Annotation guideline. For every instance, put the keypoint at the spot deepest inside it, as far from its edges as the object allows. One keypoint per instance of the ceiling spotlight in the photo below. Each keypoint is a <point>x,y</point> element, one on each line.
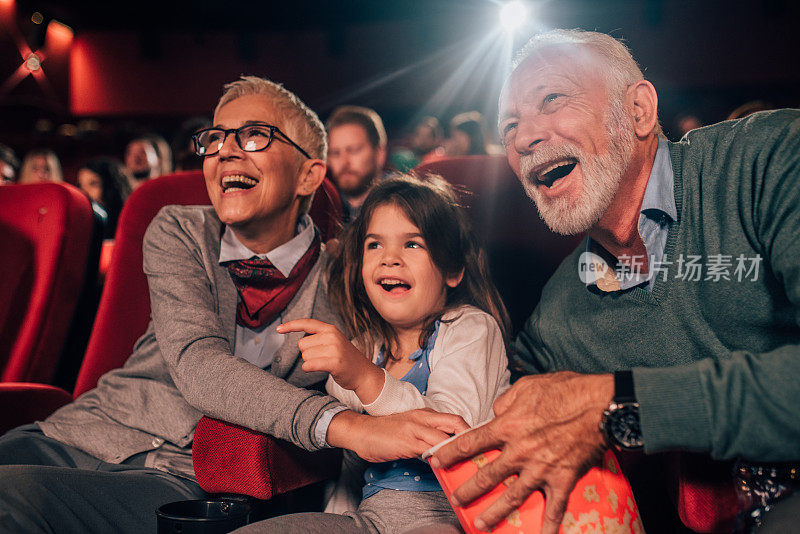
<point>37,18</point>
<point>513,15</point>
<point>33,62</point>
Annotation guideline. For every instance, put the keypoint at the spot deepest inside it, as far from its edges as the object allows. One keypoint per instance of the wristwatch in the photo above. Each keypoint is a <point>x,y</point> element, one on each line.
<point>620,422</point>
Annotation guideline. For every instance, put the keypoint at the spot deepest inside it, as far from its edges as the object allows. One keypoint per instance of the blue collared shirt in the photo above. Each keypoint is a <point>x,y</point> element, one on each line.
<point>657,213</point>
<point>258,346</point>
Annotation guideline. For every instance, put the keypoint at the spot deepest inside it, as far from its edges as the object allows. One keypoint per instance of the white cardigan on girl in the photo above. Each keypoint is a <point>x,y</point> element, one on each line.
<point>469,369</point>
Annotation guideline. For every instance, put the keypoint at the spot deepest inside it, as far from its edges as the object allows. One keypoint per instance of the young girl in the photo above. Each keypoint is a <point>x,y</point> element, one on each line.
<point>416,297</point>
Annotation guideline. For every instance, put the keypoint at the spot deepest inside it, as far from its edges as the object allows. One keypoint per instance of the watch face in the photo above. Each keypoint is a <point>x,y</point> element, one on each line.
<point>623,426</point>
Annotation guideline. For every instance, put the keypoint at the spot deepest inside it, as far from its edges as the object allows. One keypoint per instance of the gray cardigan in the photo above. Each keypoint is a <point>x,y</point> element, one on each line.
<point>183,366</point>
<point>716,360</point>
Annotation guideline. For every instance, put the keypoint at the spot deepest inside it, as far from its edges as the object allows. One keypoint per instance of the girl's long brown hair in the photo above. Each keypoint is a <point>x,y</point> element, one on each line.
<point>431,204</point>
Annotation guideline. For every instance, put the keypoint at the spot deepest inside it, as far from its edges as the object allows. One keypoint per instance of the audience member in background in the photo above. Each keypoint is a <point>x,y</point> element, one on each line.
<point>142,161</point>
<point>183,149</point>
<point>40,165</point>
<point>163,151</point>
<point>686,123</point>
<point>401,160</point>
<point>356,154</point>
<point>106,182</point>
<point>9,165</point>
<point>748,108</point>
<point>466,135</point>
<point>426,140</point>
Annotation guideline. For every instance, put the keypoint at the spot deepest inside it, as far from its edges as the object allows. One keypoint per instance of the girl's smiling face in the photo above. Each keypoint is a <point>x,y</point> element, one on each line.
<point>400,278</point>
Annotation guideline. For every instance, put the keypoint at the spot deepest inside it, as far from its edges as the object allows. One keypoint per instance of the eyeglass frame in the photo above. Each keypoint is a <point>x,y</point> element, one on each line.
<point>235,131</point>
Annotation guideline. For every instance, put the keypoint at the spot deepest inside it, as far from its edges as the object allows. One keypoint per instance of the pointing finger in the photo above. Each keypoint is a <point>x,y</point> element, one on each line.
<point>310,326</point>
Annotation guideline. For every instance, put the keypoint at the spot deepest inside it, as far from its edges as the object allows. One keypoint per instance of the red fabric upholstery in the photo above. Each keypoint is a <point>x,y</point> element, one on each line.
<point>239,460</point>
<point>704,493</point>
<point>45,234</point>
<point>24,402</point>
<point>523,252</point>
<point>124,309</point>
<point>106,253</point>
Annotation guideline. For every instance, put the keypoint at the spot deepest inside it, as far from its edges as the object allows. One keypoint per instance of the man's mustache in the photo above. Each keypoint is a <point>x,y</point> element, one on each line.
<point>547,154</point>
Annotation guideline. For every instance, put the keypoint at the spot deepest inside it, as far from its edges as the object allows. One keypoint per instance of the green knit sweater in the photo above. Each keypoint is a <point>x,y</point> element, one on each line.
<point>716,362</point>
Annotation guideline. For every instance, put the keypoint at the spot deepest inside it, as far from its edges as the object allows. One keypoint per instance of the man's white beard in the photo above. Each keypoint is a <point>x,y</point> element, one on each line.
<point>601,176</point>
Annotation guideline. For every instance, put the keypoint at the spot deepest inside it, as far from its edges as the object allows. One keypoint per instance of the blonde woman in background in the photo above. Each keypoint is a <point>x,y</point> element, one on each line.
<point>40,165</point>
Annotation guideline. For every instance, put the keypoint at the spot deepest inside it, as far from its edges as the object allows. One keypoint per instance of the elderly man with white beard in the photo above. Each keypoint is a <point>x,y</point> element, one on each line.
<point>675,325</point>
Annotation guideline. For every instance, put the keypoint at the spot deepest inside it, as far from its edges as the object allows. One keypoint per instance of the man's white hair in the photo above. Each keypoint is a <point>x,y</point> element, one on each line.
<point>302,124</point>
<point>620,69</point>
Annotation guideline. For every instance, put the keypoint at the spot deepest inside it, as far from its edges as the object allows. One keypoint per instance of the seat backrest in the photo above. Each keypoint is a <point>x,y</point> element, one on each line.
<point>522,251</point>
<point>124,309</point>
<point>45,235</point>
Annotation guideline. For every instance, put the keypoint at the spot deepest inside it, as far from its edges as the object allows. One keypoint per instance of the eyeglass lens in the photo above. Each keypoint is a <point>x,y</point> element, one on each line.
<point>250,138</point>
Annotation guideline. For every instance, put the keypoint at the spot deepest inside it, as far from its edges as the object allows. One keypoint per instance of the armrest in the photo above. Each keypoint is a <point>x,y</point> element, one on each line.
<point>229,458</point>
<point>23,402</point>
<point>705,492</point>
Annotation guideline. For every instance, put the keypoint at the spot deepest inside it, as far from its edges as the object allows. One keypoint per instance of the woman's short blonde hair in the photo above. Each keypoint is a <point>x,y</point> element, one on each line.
<point>302,124</point>
<point>25,176</point>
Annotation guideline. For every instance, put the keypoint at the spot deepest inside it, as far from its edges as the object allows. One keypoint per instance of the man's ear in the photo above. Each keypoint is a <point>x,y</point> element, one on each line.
<point>642,99</point>
<point>310,176</point>
<point>452,280</point>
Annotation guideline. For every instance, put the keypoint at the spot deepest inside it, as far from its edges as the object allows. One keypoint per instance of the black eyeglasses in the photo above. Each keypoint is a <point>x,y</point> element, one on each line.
<point>250,138</point>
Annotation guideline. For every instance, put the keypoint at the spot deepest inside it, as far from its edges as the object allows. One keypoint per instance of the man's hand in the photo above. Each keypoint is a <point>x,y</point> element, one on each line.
<point>327,349</point>
<point>547,427</point>
<point>391,437</point>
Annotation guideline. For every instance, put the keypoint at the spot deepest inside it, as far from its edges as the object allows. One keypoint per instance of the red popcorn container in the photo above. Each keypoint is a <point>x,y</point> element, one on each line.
<point>602,501</point>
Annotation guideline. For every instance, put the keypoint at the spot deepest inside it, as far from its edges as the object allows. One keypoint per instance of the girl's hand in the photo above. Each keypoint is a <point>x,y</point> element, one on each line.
<point>391,437</point>
<point>327,349</point>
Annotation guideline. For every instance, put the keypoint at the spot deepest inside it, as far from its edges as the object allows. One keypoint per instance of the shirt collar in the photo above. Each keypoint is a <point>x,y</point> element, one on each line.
<point>660,192</point>
<point>658,201</point>
<point>284,257</point>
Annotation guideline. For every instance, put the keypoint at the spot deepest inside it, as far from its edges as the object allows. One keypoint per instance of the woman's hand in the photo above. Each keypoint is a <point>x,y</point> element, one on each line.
<point>327,349</point>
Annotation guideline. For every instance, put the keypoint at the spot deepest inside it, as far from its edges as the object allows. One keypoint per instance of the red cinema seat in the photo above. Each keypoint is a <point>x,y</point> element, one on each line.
<point>523,253</point>
<point>124,312</point>
<point>45,235</point>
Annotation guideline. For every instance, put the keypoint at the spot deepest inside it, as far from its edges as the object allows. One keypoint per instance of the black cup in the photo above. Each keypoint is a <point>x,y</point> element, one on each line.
<point>202,516</point>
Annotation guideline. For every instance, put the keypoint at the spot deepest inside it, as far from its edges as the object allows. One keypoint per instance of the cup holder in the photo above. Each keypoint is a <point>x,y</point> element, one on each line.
<point>205,516</point>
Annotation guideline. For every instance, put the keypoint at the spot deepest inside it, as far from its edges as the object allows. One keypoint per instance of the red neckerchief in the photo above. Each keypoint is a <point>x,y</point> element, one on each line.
<point>263,290</point>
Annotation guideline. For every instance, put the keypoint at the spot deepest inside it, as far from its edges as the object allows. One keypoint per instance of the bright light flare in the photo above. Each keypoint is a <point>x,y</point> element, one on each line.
<point>513,15</point>
<point>33,63</point>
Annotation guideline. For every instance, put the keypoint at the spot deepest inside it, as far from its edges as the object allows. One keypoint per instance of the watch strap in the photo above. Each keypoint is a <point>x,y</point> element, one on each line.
<point>623,387</point>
